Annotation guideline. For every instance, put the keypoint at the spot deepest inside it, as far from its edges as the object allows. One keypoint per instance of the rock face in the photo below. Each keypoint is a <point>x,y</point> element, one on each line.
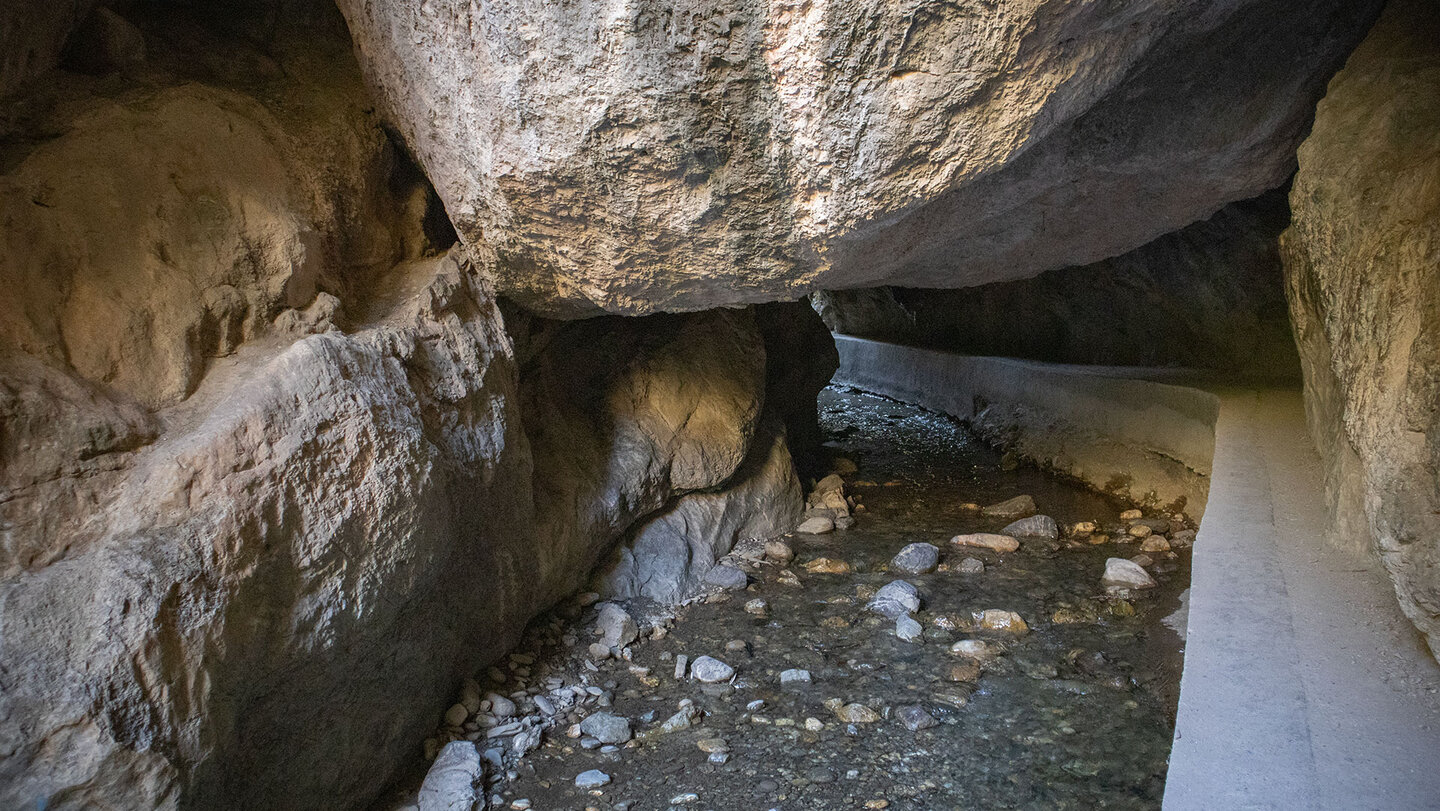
<point>668,556</point>
<point>1210,296</point>
<point>275,477</point>
<point>633,159</point>
<point>1362,261</point>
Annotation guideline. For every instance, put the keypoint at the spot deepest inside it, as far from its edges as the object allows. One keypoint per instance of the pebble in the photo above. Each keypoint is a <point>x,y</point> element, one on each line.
<point>894,599</point>
<point>606,728</point>
<point>1036,526</point>
<point>1139,531</point>
<point>1017,507</point>
<point>685,799</point>
<point>828,566</point>
<point>756,705</point>
<point>456,715</point>
<point>709,670</point>
<point>967,672</point>
<point>974,648</point>
<point>500,706</point>
<point>520,805</point>
<point>794,676</point>
<point>814,724</point>
<point>1125,574</point>
<point>1155,543</point>
<point>908,629</point>
<point>780,552</point>
<point>854,713</point>
<point>997,619</point>
<point>915,718</point>
<point>682,664</point>
<point>916,558</point>
<point>736,646</point>
<point>592,779</point>
<point>757,606</point>
<point>987,540</point>
<point>1084,528</point>
<point>712,745</point>
<point>1131,515</point>
<point>819,525</point>
<point>972,566</point>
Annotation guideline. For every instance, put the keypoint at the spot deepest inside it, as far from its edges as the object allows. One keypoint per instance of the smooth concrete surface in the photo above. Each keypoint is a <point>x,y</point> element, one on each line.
<point>1143,440</point>
<point>1304,686</point>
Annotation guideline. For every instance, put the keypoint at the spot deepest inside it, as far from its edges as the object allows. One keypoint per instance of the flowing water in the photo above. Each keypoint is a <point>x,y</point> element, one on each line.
<point>1077,713</point>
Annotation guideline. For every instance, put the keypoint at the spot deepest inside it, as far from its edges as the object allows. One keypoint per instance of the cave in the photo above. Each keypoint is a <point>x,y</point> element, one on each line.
<point>454,405</point>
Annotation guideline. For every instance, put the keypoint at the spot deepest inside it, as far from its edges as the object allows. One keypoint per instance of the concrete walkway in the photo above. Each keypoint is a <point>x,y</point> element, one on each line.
<point>1304,686</point>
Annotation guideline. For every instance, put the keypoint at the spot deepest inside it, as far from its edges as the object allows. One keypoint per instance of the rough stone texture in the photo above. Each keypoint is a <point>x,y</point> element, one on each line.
<point>1363,269</point>
<point>635,158</point>
<point>454,779</point>
<point>669,555</point>
<point>269,496</point>
<point>1210,296</point>
<point>625,415</point>
<point>315,511</point>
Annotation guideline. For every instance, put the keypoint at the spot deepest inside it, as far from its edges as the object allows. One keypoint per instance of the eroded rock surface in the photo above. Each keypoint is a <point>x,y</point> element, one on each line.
<point>1210,296</point>
<point>1363,268</point>
<point>633,159</point>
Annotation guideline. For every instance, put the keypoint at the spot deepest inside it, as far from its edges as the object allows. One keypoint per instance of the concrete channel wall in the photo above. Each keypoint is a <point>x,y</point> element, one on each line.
<point>1146,441</point>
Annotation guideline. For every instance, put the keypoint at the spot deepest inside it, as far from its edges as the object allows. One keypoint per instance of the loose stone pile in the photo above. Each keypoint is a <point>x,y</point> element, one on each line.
<point>846,663</point>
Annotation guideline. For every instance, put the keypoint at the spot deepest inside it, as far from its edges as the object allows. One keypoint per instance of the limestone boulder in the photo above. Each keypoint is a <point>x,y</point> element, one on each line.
<point>313,528</point>
<point>1362,261</point>
<point>667,556</point>
<point>629,159</point>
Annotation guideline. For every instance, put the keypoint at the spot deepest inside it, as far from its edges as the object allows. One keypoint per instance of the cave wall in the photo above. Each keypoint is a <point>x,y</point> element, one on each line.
<point>1210,296</point>
<point>275,475</point>
<point>636,158</point>
<point>1362,264</point>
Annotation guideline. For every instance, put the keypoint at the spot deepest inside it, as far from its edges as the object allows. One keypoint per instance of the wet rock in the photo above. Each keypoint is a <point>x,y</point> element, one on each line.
<point>687,798</point>
<point>1139,531</point>
<point>451,782</point>
<point>1036,526</point>
<point>1124,574</point>
<point>606,728</point>
<point>916,558</point>
<point>794,677</point>
<point>727,577</point>
<point>780,552</point>
<point>977,649</point>
<point>615,627</point>
<point>1183,538</point>
<point>682,665</point>
<point>1017,507</point>
<point>814,724</point>
<point>853,713</point>
<point>996,619</point>
<point>971,566</point>
<point>915,718</point>
<point>709,670</point>
<point>1083,528</point>
<point>593,778</point>
<point>895,599</point>
<point>828,566</point>
<point>599,651</point>
<point>1155,543</point>
<point>712,745</point>
<point>1131,515</point>
<point>967,671</point>
<point>818,525</point>
<point>757,606</point>
<point>1144,561</point>
<point>987,540</point>
<point>908,629</point>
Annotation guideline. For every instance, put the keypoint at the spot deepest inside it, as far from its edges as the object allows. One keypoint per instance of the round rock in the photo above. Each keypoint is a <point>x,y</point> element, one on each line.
<point>710,670</point>
<point>917,558</point>
<point>1036,526</point>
